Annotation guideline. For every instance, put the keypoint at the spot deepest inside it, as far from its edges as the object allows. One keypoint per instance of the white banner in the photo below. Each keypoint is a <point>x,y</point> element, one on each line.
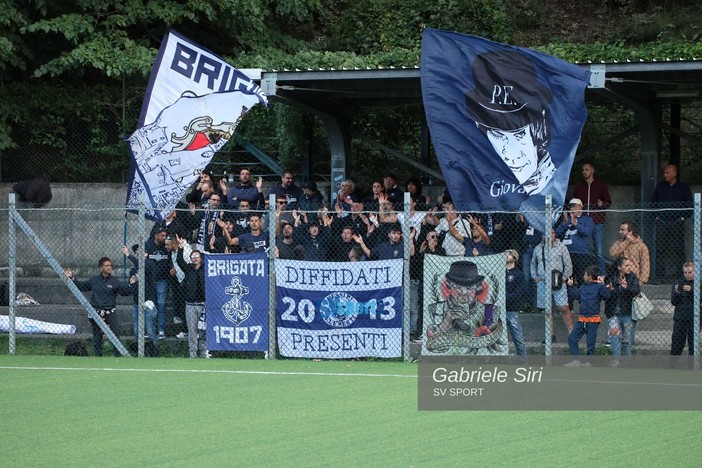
<point>339,310</point>
<point>193,103</point>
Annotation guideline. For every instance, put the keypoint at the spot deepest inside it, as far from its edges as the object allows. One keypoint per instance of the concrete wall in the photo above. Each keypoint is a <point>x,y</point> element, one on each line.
<point>84,222</point>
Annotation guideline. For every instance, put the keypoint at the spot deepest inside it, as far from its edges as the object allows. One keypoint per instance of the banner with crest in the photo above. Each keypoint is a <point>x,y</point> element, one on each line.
<point>236,304</point>
<point>339,310</point>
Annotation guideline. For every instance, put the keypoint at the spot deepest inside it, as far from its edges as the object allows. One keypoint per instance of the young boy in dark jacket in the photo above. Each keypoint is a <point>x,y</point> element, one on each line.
<point>682,297</point>
<point>590,295</point>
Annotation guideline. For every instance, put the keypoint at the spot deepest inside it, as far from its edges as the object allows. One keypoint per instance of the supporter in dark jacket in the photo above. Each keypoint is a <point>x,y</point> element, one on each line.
<point>590,294</point>
<point>193,287</point>
<point>682,297</point>
<point>104,288</point>
<point>624,286</point>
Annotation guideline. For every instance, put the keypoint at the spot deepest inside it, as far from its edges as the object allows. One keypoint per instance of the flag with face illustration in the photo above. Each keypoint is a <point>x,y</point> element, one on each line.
<point>505,121</point>
<point>193,103</point>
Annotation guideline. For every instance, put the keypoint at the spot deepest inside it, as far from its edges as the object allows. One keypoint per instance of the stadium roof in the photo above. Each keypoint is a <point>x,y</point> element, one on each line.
<point>332,90</point>
<point>644,87</point>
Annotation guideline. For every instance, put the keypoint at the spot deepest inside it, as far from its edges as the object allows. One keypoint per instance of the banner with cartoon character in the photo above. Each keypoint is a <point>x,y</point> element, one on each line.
<point>236,302</point>
<point>505,121</point>
<point>464,306</point>
<point>339,310</point>
<point>193,103</point>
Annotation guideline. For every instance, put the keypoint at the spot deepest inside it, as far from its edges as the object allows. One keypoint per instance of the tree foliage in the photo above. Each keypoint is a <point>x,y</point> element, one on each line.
<point>65,66</point>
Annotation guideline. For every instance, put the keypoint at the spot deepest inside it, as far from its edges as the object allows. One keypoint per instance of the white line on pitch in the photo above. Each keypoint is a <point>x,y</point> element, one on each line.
<point>208,371</point>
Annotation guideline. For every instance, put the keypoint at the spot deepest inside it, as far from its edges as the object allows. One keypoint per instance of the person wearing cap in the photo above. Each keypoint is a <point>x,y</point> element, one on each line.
<point>510,111</point>
<point>245,190</point>
<point>313,237</point>
<point>576,230</point>
<point>358,219</point>
<point>156,250</point>
<point>392,191</point>
<point>515,290</point>
<point>311,200</point>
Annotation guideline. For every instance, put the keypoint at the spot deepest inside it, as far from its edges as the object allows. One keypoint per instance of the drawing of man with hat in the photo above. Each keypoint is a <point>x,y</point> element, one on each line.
<point>510,109</point>
<point>465,320</point>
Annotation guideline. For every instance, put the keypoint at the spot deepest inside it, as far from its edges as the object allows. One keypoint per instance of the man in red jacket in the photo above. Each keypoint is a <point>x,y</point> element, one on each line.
<point>595,196</point>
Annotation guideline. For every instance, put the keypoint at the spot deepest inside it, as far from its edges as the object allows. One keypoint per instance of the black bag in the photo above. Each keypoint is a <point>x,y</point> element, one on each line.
<point>556,276</point>
<point>76,348</point>
<point>4,299</point>
<point>556,280</point>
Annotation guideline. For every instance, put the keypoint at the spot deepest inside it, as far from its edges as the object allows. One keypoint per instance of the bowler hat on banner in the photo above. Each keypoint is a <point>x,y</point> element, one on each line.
<point>507,94</point>
<point>464,273</point>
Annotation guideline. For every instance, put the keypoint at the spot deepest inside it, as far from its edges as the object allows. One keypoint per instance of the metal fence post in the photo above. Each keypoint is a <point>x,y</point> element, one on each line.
<point>406,280</point>
<point>141,276</point>
<point>697,260</point>
<point>271,276</point>
<point>12,274</point>
<point>548,295</point>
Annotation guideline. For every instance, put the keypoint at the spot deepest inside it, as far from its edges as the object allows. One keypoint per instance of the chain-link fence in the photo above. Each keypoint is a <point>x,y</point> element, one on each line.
<point>345,282</point>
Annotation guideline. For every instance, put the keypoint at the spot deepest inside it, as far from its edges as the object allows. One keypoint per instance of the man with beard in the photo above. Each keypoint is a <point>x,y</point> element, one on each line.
<point>632,247</point>
<point>288,190</point>
<point>245,191</point>
<point>285,244</point>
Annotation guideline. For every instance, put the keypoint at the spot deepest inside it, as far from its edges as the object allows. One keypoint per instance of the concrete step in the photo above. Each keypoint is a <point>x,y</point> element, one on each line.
<point>54,291</point>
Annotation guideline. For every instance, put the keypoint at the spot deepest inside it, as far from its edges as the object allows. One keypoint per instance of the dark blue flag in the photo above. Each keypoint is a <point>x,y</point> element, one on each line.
<point>505,121</point>
<point>236,308</point>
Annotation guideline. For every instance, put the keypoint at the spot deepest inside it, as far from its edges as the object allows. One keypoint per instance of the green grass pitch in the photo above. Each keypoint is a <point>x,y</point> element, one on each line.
<point>72,411</point>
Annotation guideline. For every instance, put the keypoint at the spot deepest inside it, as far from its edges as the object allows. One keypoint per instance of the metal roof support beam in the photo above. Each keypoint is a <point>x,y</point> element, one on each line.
<point>649,135</point>
<point>400,156</point>
<point>605,144</point>
<point>336,127</point>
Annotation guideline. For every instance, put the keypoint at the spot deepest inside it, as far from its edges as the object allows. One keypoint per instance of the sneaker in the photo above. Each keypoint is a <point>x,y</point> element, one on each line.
<point>182,336</point>
<point>177,320</point>
<point>161,335</point>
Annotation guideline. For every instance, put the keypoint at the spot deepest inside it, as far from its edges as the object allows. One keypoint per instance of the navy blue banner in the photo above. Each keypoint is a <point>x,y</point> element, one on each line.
<point>505,121</point>
<point>237,300</point>
<point>339,310</point>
